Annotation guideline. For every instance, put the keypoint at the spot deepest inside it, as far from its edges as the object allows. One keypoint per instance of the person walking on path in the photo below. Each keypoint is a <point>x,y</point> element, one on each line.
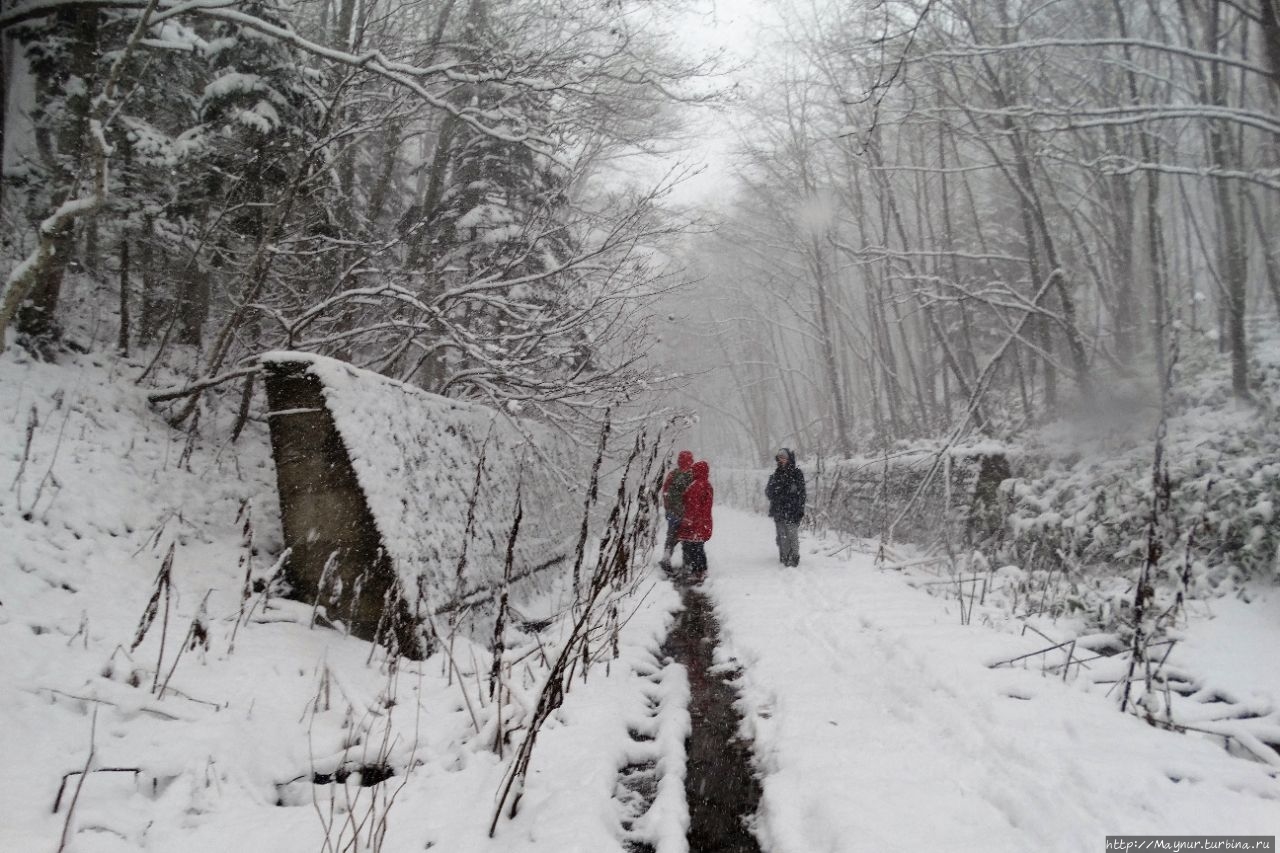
<point>785,491</point>
<point>695,524</point>
<point>673,488</point>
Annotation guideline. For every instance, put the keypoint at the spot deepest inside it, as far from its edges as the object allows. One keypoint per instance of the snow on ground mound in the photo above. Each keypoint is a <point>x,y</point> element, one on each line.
<point>233,724</point>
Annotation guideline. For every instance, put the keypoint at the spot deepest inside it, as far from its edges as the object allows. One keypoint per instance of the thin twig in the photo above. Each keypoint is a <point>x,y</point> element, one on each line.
<point>75,798</point>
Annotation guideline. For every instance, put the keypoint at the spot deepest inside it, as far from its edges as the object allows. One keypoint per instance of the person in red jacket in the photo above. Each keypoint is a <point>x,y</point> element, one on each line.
<point>695,525</point>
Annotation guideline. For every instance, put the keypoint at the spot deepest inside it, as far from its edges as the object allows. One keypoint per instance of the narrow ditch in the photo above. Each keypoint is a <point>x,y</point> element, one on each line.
<point>722,791</point>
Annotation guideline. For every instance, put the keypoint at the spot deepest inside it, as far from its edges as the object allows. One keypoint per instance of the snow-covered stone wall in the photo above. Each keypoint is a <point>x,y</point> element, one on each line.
<point>864,496</point>
<point>399,504</point>
<point>861,496</point>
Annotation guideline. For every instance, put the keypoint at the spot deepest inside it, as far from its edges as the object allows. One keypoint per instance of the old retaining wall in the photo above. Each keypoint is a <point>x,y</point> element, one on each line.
<point>328,529</point>
<point>861,496</point>
<point>380,501</point>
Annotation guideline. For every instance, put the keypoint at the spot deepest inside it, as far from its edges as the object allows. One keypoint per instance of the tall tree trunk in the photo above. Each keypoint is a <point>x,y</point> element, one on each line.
<point>1270,21</point>
<point>1036,212</point>
<point>1231,257</point>
<point>193,306</point>
<point>1157,261</point>
<point>6,75</point>
<point>1035,226</point>
<point>1270,255</point>
<point>37,318</point>
<point>63,151</point>
<point>1123,214</point>
<point>342,35</point>
<point>952,362</point>
<point>822,285</point>
<point>1231,250</point>
<point>1154,228</point>
<point>970,358</point>
<point>151,314</point>
<point>122,339</point>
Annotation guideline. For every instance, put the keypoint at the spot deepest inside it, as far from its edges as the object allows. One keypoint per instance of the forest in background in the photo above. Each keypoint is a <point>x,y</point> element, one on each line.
<point>982,216</point>
<point>434,189</point>
<point>945,216</point>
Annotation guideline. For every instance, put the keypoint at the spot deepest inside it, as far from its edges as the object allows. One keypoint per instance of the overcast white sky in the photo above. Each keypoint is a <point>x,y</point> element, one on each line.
<point>732,27</point>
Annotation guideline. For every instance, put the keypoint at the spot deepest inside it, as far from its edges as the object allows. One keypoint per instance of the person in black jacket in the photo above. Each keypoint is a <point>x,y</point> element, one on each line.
<point>786,495</point>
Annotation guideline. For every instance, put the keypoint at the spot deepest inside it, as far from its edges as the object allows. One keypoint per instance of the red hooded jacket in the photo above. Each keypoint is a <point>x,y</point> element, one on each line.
<point>695,526</point>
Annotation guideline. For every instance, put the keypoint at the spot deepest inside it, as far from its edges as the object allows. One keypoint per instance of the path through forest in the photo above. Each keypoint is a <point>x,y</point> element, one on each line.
<point>877,724</point>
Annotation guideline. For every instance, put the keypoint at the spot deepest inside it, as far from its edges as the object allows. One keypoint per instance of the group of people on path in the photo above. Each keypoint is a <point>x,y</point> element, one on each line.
<point>687,497</point>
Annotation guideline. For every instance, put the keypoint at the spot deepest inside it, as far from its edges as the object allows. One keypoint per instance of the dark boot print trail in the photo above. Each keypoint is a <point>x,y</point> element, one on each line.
<point>722,791</point>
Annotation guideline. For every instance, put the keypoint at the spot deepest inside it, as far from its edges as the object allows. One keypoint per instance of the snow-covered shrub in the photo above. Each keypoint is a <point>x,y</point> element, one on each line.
<point>1085,511</point>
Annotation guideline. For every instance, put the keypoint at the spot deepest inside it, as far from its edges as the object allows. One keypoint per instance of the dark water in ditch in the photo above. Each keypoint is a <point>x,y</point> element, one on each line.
<point>721,788</point>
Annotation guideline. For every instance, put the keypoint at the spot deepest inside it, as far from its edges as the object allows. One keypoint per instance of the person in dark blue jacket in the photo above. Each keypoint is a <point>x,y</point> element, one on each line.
<point>786,495</point>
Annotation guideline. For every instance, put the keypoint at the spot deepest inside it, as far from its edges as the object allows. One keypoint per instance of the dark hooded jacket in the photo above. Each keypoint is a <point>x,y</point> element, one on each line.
<point>785,491</point>
<point>695,526</point>
<point>677,481</point>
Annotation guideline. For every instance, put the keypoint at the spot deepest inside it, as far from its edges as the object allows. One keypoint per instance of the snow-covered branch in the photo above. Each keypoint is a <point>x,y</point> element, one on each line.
<point>978,51</point>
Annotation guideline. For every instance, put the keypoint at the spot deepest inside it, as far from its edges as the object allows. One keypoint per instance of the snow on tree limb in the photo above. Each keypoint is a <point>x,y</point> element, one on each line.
<point>970,51</point>
<point>23,278</point>
<point>413,78</point>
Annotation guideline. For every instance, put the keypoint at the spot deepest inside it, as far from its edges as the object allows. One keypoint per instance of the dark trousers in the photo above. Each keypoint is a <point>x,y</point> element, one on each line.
<point>695,556</point>
<point>673,524</point>
<point>788,539</point>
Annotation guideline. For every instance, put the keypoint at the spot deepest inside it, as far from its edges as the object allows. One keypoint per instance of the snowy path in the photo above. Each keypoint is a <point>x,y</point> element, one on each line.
<point>878,725</point>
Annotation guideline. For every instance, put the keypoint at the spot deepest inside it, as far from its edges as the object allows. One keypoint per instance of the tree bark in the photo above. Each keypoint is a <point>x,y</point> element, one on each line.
<point>1269,255</point>
<point>1231,250</point>
<point>122,339</point>
<point>63,152</point>
<point>6,74</point>
<point>193,306</point>
<point>822,286</point>
<point>1270,22</point>
<point>151,314</point>
<point>1154,228</point>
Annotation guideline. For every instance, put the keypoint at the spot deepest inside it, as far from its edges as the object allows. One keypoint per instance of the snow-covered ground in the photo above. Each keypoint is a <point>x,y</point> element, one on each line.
<point>878,724</point>
<point>215,747</point>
